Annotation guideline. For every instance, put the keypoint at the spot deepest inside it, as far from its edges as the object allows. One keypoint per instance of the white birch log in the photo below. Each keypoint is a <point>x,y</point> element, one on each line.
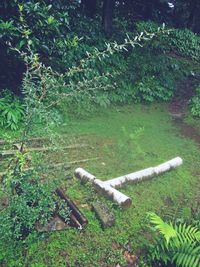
<point>84,175</point>
<point>145,174</point>
<point>102,187</point>
<point>120,198</point>
<point>108,187</point>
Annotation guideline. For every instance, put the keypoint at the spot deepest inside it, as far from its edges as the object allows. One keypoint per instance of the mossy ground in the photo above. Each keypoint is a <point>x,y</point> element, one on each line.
<point>126,139</point>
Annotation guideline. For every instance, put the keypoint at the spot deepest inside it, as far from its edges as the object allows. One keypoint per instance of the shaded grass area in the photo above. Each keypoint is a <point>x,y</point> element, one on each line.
<point>125,139</point>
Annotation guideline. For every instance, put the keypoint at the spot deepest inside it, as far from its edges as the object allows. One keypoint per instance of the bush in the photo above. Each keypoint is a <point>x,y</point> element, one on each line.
<point>195,103</point>
<point>11,111</point>
<point>180,41</point>
<point>149,90</point>
<point>177,244</point>
<point>30,201</point>
<point>186,43</point>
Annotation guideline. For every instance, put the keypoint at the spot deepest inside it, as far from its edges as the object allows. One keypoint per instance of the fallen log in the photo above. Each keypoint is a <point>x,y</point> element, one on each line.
<point>6,142</point>
<point>108,187</point>
<point>58,222</point>
<point>102,187</point>
<point>76,216</point>
<point>139,176</point>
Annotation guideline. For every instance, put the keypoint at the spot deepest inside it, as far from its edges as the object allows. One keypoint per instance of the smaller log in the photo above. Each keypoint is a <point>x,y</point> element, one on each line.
<point>105,216</point>
<point>76,214</point>
<point>139,176</point>
<point>74,222</point>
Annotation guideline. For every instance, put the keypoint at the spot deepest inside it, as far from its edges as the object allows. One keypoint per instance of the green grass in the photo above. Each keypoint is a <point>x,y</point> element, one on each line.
<point>113,137</point>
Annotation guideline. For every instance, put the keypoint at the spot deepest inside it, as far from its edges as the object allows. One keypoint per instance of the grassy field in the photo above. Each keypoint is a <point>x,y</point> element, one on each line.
<point>124,139</point>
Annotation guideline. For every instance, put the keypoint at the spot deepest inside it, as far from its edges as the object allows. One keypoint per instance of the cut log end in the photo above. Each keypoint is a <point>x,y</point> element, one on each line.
<point>127,203</point>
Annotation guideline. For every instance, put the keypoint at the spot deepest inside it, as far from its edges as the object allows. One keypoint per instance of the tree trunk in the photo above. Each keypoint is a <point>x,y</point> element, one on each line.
<point>108,9</point>
<point>190,22</point>
<point>89,7</point>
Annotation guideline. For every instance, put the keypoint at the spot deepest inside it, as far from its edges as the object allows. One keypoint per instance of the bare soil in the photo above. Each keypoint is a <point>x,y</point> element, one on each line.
<point>178,107</point>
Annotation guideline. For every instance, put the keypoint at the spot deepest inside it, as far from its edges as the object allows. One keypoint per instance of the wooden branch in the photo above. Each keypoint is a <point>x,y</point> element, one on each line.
<point>6,142</point>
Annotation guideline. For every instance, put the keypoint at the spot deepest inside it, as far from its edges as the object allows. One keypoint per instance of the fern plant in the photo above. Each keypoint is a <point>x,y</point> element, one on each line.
<point>178,244</point>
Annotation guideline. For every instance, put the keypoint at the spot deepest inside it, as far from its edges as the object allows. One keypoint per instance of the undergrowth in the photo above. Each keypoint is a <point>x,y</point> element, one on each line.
<point>178,243</point>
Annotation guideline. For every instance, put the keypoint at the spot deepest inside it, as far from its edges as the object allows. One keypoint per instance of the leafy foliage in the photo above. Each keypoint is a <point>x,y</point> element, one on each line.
<point>11,111</point>
<point>149,90</point>
<point>179,243</point>
<point>186,43</point>
<point>195,103</point>
<point>180,41</point>
<point>29,202</point>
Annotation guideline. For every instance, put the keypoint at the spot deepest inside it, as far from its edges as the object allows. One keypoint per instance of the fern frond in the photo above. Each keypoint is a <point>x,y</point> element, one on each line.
<point>187,256</point>
<point>187,234</point>
<point>178,244</point>
<point>164,228</point>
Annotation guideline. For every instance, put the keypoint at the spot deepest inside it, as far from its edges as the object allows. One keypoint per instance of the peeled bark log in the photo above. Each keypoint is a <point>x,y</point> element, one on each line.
<point>109,191</point>
<point>139,176</point>
<point>108,187</point>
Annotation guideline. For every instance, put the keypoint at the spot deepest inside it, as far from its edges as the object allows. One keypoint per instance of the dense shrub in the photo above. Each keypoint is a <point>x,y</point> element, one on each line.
<point>29,202</point>
<point>195,103</point>
<point>180,41</point>
<point>62,41</point>
<point>11,110</point>
<point>149,89</point>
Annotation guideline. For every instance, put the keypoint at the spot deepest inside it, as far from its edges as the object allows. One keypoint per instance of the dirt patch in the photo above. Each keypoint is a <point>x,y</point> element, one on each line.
<point>187,131</point>
<point>184,92</point>
<point>178,107</point>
